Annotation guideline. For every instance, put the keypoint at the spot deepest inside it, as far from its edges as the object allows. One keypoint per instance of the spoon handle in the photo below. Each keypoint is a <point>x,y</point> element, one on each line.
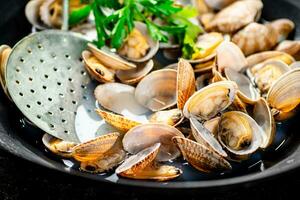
<point>65,25</point>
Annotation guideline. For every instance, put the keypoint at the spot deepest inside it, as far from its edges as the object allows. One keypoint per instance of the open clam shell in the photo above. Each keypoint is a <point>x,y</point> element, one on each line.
<point>58,146</point>
<point>256,38</point>
<point>219,4</point>
<point>209,101</point>
<point>264,118</point>
<point>95,149</point>
<point>185,82</point>
<point>133,76</point>
<point>283,28</point>
<point>171,117</point>
<point>201,157</point>
<point>290,47</point>
<point>236,16</point>
<point>246,91</point>
<point>269,55</point>
<point>157,91</point>
<point>205,137</point>
<point>153,45</point>
<point>212,125</point>
<point>229,55</point>
<point>119,98</point>
<point>143,166</point>
<point>4,54</point>
<point>239,134</point>
<point>284,95</point>
<point>32,13</point>
<point>96,69</point>
<point>110,59</point>
<point>118,121</point>
<point>51,13</point>
<point>143,136</point>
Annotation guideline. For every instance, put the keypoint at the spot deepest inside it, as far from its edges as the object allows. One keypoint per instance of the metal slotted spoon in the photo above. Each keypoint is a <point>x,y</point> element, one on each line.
<point>47,81</point>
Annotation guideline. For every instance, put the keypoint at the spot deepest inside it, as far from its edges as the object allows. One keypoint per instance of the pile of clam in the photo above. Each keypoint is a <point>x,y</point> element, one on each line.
<point>219,107</point>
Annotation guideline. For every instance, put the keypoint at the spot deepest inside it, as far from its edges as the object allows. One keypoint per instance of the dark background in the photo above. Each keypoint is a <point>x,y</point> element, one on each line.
<point>20,179</point>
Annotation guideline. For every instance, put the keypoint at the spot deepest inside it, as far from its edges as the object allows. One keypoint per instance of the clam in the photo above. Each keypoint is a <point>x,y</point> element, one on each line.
<point>133,76</point>
<point>110,59</point>
<point>230,55</point>
<point>261,57</point>
<point>201,6</point>
<point>58,146</point>
<point>143,166</point>
<point>283,27</point>
<point>143,136</point>
<point>246,91</point>
<point>205,137</point>
<point>96,69</point>
<point>118,121</point>
<point>32,12</point>
<point>295,65</point>
<point>171,117</point>
<point>284,95</point>
<point>203,80</point>
<point>199,156</point>
<point>185,82</point>
<point>100,154</point>
<point>239,134</point>
<point>139,45</point>
<point>206,18</point>
<point>212,125</point>
<point>256,38</point>
<point>207,44</point>
<point>209,101</point>
<point>157,91</point>
<point>204,67</point>
<point>4,54</point>
<point>266,74</point>
<point>236,16</point>
<point>264,118</point>
<point>290,47</point>
<point>51,13</point>
<point>219,4</point>
<point>119,98</point>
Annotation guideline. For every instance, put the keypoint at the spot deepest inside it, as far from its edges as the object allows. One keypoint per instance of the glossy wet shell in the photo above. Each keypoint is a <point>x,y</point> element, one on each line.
<point>239,133</point>
<point>109,59</point>
<point>171,117</point>
<point>201,157</point>
<point>209,101</point>
<point>96,69</point>
<point>157,91</point>
<point>205,137</point>
<point>119,98</point>
<point>185,82</point>
<point>256,38</point>
<point>268,55</point>
<point>143,136</point>
<point>290,47</point>
<point>284,95</point>
<point>283,27</point>
<point>229,55</point>
<point>133,76</point>
<point>236,16</point>
<point>118,121</point>
<point>95,149</point>
<point>264,118</point>
<point>219,4</point>
<point>247,92</point>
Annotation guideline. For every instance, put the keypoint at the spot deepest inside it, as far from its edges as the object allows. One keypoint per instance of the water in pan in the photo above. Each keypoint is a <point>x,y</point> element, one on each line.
<point>284,144</point>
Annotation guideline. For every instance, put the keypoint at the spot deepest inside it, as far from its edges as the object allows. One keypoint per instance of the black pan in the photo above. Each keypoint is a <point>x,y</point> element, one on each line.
<point>20,138</point>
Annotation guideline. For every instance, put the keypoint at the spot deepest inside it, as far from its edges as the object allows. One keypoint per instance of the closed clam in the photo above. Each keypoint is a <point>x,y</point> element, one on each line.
<point>256,38</point>
<point>236,16</point>
<point>209,101</point>
<point>230,55</point>
<point>185,82</point>
<point>133,76</point>
<point>100,154</point>
<point>139,45</point>
<point>263,116</point>
<point>199,156</point>
<point>119,98</point>
<point>143,166</point>
<point>246,91</point>
<point>239,134</point>
<point>96,69</point>
<point>283,28</point>
<point>290,47</point>
<point>205,137</point>
<point>284,95</point>
<point>143,136</point>
<point>266,74</point>
<point>157,91</point>
<point>58,146</point>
